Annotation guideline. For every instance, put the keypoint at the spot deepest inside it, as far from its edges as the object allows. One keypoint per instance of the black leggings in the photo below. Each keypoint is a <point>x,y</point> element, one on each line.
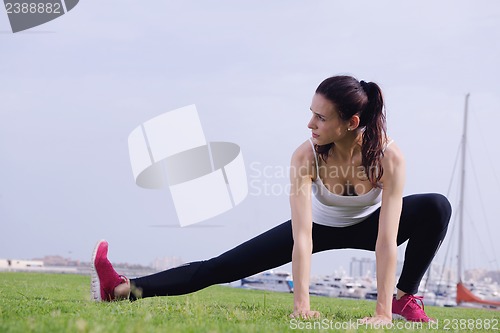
<point>424,221</point>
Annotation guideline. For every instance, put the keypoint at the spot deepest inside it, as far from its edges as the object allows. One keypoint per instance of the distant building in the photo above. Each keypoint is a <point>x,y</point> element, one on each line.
<point>16,264</point>
<point>362,267</point>
<point>56,260</point>
<point>367,267</point>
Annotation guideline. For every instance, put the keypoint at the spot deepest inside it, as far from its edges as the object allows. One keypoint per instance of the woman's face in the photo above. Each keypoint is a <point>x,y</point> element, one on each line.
<point>326,124</point>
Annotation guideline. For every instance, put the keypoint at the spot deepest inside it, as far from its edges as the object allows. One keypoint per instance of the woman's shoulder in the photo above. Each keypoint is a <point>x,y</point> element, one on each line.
<point>394,170</point>
<point>303,157</point>
<point>304,152</point>
<point>393,156</point>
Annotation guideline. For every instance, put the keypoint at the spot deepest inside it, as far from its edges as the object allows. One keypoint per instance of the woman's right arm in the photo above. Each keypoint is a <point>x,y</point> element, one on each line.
<point>301,173</point>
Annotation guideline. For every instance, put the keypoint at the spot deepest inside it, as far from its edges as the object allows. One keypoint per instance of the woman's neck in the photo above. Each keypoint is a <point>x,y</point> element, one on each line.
<point>348,147</point>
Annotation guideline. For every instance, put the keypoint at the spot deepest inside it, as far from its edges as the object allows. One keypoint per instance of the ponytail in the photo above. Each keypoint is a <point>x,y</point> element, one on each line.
<point>374,135</point>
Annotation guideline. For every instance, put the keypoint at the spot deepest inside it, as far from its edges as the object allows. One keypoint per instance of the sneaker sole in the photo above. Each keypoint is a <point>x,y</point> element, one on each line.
<point>95,283</point>
<point>398,317</point>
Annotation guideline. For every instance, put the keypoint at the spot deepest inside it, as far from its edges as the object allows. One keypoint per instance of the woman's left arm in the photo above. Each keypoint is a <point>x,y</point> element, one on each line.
<point>393,181</point>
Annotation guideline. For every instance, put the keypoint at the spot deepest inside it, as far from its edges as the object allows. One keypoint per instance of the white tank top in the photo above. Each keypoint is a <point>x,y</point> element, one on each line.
<point>335,210</point>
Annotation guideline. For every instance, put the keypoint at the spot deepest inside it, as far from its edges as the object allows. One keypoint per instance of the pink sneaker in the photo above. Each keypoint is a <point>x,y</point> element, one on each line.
<point>104,278</point>
<point>408,308</point>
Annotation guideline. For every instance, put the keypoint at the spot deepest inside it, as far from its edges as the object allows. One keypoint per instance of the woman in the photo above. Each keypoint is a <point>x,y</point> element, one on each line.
<point>346,192</point>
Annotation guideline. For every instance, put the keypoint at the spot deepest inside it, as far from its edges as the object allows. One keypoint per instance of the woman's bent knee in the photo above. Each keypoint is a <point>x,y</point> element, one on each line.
<point>437,208</point>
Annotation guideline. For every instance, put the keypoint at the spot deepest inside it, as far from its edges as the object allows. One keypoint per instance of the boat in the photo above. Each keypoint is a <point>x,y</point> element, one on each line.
<point>269,280</point>
<point>330,286</point>
<point>323,287</point>
<point>335,286</point>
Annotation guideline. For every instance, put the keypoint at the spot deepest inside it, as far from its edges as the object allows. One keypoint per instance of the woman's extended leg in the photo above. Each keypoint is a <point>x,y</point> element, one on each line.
<point>271,249</point>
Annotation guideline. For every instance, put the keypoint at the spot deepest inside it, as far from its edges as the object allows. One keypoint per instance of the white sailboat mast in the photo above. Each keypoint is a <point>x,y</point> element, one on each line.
<point>462,190</point>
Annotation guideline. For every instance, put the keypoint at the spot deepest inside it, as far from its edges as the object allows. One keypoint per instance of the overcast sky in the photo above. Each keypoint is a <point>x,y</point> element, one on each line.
<point>73,89</point>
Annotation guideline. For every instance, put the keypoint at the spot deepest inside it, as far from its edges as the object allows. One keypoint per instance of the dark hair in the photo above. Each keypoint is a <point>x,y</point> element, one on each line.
<point>351,97</point>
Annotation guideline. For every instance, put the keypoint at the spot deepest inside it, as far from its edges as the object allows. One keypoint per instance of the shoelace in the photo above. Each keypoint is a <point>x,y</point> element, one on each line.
<point>413,299</point>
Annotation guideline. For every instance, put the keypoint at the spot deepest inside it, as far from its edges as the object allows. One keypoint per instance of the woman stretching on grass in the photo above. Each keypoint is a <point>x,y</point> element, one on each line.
<point>346,192</point>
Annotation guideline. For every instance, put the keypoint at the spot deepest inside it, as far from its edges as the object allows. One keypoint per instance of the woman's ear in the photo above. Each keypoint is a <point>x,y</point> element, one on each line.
<point>354,122</point>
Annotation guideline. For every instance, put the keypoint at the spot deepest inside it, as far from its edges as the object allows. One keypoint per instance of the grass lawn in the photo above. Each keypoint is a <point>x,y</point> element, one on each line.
<point>31,302</point>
